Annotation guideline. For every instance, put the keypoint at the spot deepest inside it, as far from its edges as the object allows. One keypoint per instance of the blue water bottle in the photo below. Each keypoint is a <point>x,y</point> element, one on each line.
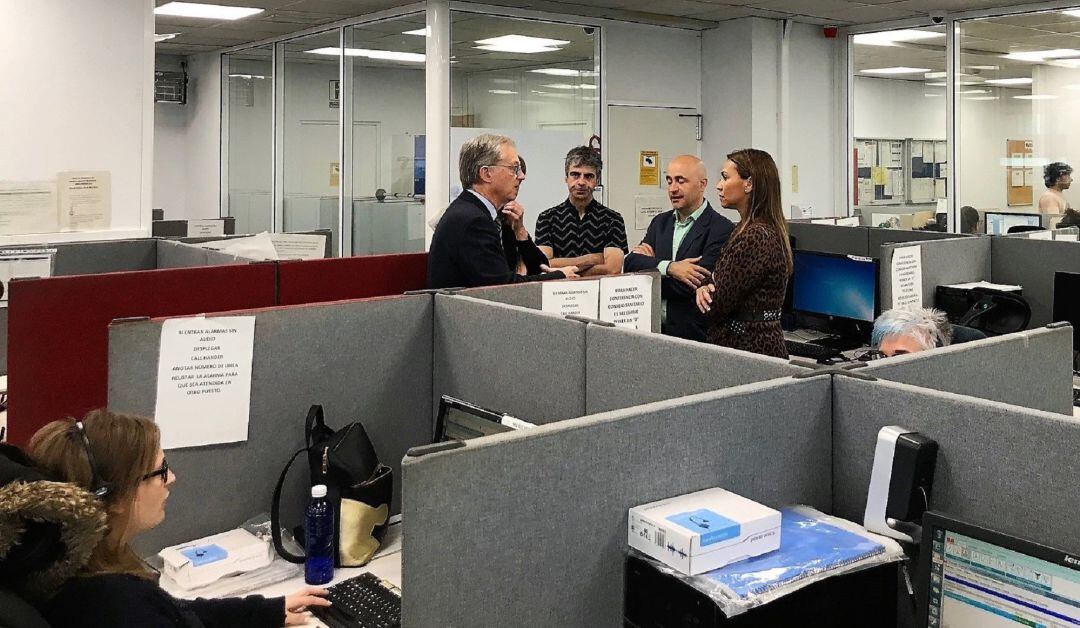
<point>319,537</point>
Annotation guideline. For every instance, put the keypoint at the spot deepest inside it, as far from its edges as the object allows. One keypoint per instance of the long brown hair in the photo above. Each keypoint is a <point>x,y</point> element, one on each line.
<point>765,205</point>
<point>124,448</point>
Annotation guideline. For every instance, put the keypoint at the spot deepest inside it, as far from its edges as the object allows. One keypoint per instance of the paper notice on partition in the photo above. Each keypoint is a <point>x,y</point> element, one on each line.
<point>1066,237</point>
<point>572,298</point>
<point>906,273</point>
<point>1041,235</point>
<point>85,200</point>
<point>299,245</point>
<point>28,207</point>
<point>204,380</point>
<point>626,300</point>
<point>23,263</point>
<point>211,227</point>
<point>646,208</point>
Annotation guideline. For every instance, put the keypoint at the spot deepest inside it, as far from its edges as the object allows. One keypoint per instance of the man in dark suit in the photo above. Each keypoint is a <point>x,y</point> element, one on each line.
<point>683,245</point>
<point>467,247</point>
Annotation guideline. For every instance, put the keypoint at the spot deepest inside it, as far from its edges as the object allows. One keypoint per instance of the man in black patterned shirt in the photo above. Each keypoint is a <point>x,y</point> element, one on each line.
<point>581,232</point>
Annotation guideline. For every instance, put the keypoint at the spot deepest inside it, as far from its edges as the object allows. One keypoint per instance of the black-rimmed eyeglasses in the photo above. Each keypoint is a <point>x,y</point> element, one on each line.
<point>163,471</point>
<point>515,168</point>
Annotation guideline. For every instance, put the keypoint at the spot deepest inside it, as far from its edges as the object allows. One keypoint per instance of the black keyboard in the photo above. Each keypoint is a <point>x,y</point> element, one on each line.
<point>810,350</point>
<point>361,602</point>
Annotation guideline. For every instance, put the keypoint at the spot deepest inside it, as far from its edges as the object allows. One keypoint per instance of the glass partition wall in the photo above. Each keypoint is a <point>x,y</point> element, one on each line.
<point>248,134</point>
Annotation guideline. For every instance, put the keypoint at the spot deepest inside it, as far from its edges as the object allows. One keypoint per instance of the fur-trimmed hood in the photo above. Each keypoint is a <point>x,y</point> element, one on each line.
<point>47,529</point>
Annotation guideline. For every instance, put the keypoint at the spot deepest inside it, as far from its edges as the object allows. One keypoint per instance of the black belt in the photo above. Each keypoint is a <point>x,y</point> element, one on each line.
<point>764,316</point>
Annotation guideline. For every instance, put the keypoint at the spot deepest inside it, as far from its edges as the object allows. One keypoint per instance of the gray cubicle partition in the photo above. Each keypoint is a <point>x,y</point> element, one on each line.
<point>172,254</point>
<point>830,239</point>
<point>944,262</point>
<point>508,358</point>
<point>1031,369</point>
<point>880,237</point>
<point>379,374</point>
<point>626,368</point>
<point>531,295</point>
<point>529,528</point>
<point>99,256</point>
<point>1031,264</point>
<point>1006,468</point>
<point>328,250</point>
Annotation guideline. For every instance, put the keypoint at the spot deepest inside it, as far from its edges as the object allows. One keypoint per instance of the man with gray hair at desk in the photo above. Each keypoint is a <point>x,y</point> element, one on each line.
<point>901,331</point>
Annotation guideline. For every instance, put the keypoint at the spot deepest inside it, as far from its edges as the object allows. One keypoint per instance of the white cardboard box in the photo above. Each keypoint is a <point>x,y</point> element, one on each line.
<point>201,562</point>
<point>702,531</point>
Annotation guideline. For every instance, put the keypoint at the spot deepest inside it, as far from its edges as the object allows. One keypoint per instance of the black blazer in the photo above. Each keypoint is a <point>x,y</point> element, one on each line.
<point>467,249</point>
<point>707,236</point>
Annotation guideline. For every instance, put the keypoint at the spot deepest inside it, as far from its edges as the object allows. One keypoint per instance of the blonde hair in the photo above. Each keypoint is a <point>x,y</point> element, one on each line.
<point>124,448</point>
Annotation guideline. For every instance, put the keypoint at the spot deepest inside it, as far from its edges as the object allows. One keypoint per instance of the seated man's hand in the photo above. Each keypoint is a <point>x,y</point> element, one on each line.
<point>643,249</point>
<point>569,272</point>
<point>514,215</point>
<point>688,272</point>
<point>703,297</point>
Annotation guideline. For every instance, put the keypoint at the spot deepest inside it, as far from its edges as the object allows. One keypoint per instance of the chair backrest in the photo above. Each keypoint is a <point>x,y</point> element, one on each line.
<point>1024,228</point>
<point>961,333</point>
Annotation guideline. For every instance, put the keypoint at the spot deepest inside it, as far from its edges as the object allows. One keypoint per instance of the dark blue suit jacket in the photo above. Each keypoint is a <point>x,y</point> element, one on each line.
<point>705,239</point>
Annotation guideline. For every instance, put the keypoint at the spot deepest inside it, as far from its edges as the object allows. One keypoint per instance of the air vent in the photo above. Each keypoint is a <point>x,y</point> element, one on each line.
<point>170,87</point>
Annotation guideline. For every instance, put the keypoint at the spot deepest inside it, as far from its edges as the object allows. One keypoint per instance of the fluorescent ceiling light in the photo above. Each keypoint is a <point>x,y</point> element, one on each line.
<point>501,91</point>
<point>1009,81</point>
<point>936,84</point>
<point>1036,97</point>
<point>1075,87</point>
<point>1072,12</point>
<point>934,95</point>
<point>384,55</point>
<point>520,44</point>
<point>896,70</point>
<point>1036,56</point>
<point>981,98</point>
<point>569,86</point>
<point>247,76</point>
<point>983,67</point>
<point>164,36</point>
<point>890,38</point>
<point>562,72</point>
<point>423,32</point>
<point>975,91</point>
<point>207,11</point>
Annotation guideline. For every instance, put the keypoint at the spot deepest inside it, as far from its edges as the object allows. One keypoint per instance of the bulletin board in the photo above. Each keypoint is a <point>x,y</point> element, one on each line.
<point>1019,173</point>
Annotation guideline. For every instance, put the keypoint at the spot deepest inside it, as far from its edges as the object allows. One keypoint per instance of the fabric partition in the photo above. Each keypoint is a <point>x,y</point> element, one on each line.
<point>328,250</point>
<point>313,281</point>
<point>944,262</point>
<point>1031,369</point>
<point>1031,264</point>
<point>528,528</point>
<point>509,359</point>
<point>366,360</point>
<point>1006,468</point>
<point>99,256</point>
<point>172,254</point>
<point>58,330</point>
<point>879,237</point>
<point>830,238</point>
<point>627,367</point>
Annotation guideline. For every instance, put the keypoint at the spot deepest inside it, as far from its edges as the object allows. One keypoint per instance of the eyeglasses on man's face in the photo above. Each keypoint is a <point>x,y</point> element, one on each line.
<point>162,471</point>
<point>514,168</point>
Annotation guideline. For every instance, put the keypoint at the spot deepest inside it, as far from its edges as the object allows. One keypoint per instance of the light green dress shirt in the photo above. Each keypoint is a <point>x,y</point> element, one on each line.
<point>678,233</point>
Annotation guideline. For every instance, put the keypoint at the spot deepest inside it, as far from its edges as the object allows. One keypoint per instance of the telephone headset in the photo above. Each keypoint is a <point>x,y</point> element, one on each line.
<point>98,486</point>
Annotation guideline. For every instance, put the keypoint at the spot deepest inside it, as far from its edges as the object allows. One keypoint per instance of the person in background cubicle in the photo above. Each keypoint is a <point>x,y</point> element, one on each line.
<point>581,232</point>
<point>745,297</point>
<point>1057,177</point>
<point>683,244</point>
<point>119,458</point>
<point>900,331</point>
<point>969,220</point>
<point>467,247</point>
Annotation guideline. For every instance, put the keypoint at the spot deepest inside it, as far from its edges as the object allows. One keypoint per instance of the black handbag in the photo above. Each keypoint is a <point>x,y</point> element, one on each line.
<point>358,487</point>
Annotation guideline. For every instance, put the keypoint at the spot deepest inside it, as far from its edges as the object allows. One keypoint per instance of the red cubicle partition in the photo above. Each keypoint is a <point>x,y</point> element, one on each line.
<point>58,341</point>
<point>336,279</point>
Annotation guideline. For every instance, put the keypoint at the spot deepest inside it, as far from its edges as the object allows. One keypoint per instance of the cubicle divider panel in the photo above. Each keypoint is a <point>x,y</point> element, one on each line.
<point>529,528</point>
<point>1032,264</point>
<point>626,368</point>
<point>365,360</point>
<point>879,237</point>
<point>944,262</point>
<point>1031,369</point>
<point>3,340</point>
<point>313,281</point>
<point>831,239</point>
<point>328,250</point>
<point>999,466</point>
<point>104,256</point>
<point>58,330</point>
<point>171,254</point>
<point>510,359</point>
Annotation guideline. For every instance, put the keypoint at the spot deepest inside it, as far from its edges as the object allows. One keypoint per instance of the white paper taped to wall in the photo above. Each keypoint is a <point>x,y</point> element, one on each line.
<point>28,207</point>
<point>906,273</point>
<point>626,300</point>
<point>572,298</point>
<point>85,200</point>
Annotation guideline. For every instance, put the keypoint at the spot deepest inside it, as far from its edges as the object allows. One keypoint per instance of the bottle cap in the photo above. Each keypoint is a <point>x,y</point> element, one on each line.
<point>319,490</point>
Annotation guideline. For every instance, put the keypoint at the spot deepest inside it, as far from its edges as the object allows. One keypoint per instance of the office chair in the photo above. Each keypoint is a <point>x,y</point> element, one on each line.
<point>961,334</point>
<point>995,313</point>
<point>1024,228</point>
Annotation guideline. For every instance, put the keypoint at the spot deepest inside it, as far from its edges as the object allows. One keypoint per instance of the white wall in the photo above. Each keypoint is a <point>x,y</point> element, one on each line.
<point>985,126</point>
<point>894,108</point>
<point>812,133</point>
<point>77,81</point>
<point>651,65</point>
<point>1056,123</point>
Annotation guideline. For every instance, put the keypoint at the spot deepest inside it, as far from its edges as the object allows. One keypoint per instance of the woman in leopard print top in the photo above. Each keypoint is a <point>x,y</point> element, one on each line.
<point>744,300</point>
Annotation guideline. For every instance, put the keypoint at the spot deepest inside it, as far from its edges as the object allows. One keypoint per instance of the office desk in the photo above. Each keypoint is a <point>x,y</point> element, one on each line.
<point>386,565</point>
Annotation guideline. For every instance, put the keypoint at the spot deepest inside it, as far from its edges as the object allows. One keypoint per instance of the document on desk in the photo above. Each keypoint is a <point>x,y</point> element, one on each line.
<point>986,284</point>
<point>204,380</point>
<point>85,200</point>
<point>906,272</point>
<point>626,300</point>
<point>572,298</point>
<point>28,207</point>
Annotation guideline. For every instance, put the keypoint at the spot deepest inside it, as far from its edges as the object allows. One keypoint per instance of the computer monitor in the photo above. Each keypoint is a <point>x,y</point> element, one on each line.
<point>998,223</point>
<point>1067,302</point>
<point>838,286</point>
<point>460,420</point>
<point>971,577</point>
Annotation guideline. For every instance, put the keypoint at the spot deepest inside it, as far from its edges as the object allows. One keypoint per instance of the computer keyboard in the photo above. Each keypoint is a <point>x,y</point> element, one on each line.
<point>810,350</point>
<point>362,602</point>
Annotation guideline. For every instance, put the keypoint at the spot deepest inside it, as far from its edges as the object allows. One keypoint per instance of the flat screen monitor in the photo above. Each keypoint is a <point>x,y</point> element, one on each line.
<point>998,223</point>
<point>835,285</point>
<point>460,420</point>
<point>972,577</point>
<point>1067,302</point>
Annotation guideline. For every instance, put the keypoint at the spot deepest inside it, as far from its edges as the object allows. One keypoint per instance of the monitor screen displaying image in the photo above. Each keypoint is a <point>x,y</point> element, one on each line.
<point>835,285</point>
<point>999,223</point>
